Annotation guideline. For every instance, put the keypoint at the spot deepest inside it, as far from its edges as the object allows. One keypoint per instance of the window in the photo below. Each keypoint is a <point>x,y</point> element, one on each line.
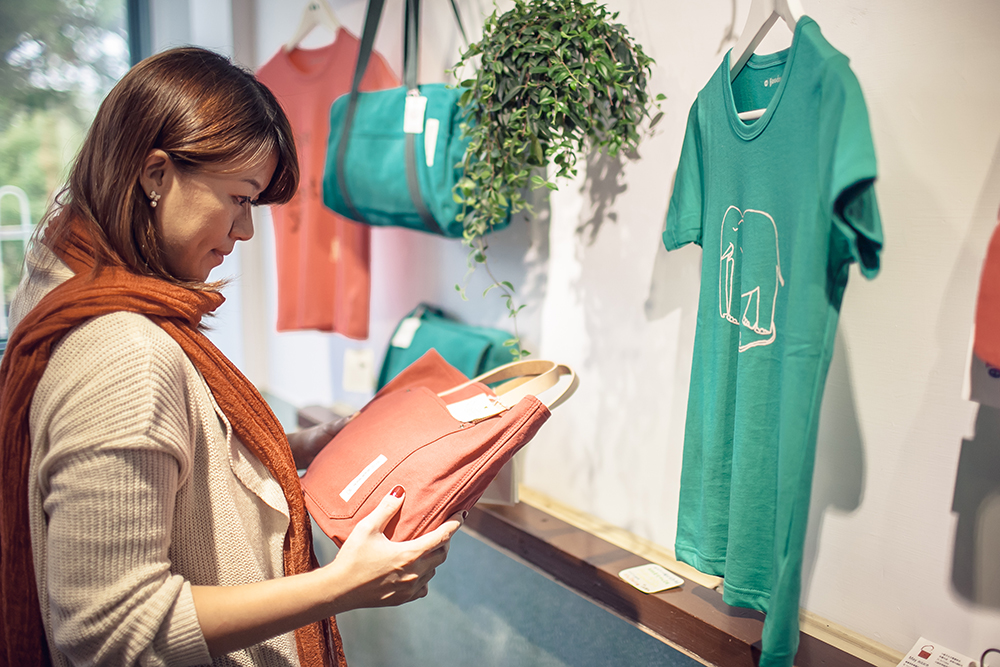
<point>61,58</point>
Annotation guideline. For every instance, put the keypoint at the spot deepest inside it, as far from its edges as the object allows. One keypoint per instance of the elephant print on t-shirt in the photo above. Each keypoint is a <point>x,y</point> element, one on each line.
<point>749,266</point>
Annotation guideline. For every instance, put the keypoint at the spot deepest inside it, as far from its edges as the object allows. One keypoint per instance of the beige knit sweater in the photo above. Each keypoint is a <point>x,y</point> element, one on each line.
<point>139,489</point>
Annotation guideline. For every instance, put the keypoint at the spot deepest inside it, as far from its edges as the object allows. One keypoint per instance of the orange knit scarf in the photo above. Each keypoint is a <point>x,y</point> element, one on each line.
<point>178,311</point>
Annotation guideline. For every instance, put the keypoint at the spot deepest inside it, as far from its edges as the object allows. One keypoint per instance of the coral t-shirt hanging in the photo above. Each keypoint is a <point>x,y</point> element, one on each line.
<point>324,260</point>
<point>781,206</point>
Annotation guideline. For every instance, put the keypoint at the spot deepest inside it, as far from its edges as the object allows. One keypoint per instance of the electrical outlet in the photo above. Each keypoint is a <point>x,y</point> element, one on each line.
<point>359,370</point>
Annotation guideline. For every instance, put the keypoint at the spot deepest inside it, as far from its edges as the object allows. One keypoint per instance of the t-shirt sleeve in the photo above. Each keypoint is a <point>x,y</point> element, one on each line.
<point>853,205</point>
<point>378,75</point>
<point>685,210</point>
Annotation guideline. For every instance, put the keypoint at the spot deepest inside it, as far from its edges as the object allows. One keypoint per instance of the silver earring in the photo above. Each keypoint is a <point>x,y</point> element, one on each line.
<point>153,198</point>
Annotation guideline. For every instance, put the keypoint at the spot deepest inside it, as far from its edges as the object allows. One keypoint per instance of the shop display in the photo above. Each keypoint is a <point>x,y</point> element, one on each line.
<point>472,350</point>
<point>781,204</point>
<point>435,432</point>
<point>393,156</point>
<point>324,273</point>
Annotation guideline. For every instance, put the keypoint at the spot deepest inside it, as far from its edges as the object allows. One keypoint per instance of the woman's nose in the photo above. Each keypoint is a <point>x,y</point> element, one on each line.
<point>243,225</point>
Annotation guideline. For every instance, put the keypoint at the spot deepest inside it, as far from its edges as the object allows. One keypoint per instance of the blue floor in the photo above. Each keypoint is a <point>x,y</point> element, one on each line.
<point>486,609</point>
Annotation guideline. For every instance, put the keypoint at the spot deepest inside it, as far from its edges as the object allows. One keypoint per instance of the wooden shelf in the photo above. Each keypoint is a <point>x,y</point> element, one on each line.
<point>692,618</point>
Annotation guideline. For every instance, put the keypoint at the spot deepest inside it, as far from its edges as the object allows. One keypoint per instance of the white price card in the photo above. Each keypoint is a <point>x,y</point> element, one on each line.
<point>929,654</point>
<point>651,578</point>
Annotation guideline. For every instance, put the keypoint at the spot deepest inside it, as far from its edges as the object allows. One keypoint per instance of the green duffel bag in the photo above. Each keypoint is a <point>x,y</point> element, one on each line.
<point>394,156</point>
<point>472,350</point>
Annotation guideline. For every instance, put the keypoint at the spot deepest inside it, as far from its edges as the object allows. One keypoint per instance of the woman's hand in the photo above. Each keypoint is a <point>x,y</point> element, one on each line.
<point>373,571</point>
<point>307,443</point>
<point>369,571</point>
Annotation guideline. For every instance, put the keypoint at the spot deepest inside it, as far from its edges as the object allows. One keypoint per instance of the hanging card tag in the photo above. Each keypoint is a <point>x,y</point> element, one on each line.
<point>475,408</point>
<point>413,114</point>
<point>431,140</point>
<point>405,332</point>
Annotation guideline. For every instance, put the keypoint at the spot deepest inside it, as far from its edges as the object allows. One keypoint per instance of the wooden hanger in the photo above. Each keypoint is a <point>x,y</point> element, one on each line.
<point>763,14</point>
<point>316,13</point>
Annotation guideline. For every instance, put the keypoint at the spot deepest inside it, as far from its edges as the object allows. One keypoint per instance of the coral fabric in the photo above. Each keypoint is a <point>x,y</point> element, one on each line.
<point>407,436</point>
<point>324,274</point>
<point>178,311</point>
<point>987,340</point>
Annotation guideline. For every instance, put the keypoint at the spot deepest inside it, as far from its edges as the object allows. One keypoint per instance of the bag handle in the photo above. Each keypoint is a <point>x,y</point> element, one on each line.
<point>372,17</point>
<point>528,377</point>
<point>411,51</point>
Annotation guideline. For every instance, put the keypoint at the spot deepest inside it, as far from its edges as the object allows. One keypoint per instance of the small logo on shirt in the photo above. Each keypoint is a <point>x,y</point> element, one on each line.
<point>770,82</point>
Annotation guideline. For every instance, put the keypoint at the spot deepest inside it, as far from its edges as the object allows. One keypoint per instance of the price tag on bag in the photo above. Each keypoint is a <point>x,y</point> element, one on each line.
<point>413,114</point>
<point>480,406</point>
<point>430,140</point>
<point>405,332</point>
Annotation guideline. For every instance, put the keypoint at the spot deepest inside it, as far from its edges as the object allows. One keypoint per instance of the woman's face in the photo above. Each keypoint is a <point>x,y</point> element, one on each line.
<point>201,215</point>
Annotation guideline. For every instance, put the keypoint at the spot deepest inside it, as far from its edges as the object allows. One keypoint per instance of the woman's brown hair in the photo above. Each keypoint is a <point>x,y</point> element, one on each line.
<point>206,113</point>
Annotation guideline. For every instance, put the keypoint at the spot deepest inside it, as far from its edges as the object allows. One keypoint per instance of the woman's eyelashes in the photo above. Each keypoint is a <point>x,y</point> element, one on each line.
<point>244,201</point>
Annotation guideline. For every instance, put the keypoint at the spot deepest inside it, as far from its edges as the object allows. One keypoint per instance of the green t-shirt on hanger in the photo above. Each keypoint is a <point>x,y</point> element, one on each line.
<point>781,206</point>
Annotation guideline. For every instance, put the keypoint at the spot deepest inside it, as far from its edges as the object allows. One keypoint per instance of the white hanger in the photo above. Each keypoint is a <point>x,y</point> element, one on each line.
<point>316,13</point>
<point>763,14</point>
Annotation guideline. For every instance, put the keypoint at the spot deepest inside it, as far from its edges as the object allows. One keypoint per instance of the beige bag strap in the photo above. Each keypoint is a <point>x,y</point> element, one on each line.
<point>524,378</point>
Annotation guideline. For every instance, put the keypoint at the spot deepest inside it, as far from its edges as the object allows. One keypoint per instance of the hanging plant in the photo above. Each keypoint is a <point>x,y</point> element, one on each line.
<point>556,80</point>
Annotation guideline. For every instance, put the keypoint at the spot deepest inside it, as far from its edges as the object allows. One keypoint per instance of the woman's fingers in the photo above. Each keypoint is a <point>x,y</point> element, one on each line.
<point>380,517</point>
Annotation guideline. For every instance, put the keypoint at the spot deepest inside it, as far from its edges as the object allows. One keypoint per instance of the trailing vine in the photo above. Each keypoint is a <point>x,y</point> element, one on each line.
<point>556,79</point>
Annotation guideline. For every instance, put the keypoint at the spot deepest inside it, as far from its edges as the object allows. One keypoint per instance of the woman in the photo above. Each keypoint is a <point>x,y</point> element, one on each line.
<point>159,493</point>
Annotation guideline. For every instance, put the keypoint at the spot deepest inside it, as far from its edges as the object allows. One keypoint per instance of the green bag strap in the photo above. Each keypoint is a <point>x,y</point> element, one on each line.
<point>372,17</point>
<point>411,52</point>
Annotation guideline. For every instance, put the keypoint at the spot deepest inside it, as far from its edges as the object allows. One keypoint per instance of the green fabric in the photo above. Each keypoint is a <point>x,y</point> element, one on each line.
<point>375,166</point>
<point>780,206</point>
<point>472,350</point>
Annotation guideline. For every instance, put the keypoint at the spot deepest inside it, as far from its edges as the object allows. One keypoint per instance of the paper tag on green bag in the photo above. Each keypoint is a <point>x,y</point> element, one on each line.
<point>430,140</point>
<point>413,114</point>
<point>405,332</point>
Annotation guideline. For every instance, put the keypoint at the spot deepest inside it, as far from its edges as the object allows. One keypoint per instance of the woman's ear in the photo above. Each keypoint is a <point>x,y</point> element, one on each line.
<point>157,172</point>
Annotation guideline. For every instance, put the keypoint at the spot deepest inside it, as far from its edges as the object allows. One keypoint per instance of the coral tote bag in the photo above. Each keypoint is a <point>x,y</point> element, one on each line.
<point>440,435</point>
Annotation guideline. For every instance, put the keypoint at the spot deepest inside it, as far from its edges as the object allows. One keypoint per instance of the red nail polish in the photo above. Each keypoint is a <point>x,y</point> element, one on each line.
<point>397,491</point>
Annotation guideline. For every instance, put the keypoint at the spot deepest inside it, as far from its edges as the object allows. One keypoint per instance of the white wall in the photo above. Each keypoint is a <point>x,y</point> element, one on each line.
<point>905,527</point>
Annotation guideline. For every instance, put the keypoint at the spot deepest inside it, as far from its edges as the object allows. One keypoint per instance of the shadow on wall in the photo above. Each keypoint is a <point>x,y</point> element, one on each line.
<point>976,564</point>
<point>604,182</point>
<point>839,474</point>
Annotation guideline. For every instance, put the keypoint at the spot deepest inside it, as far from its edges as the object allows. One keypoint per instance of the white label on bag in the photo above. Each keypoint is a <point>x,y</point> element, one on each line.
<point>405,332</point>
<point>651,578</point>
<point>431,140</point>
<point>413,114</point>
<point>356,483</point>
<point>477,407</point>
